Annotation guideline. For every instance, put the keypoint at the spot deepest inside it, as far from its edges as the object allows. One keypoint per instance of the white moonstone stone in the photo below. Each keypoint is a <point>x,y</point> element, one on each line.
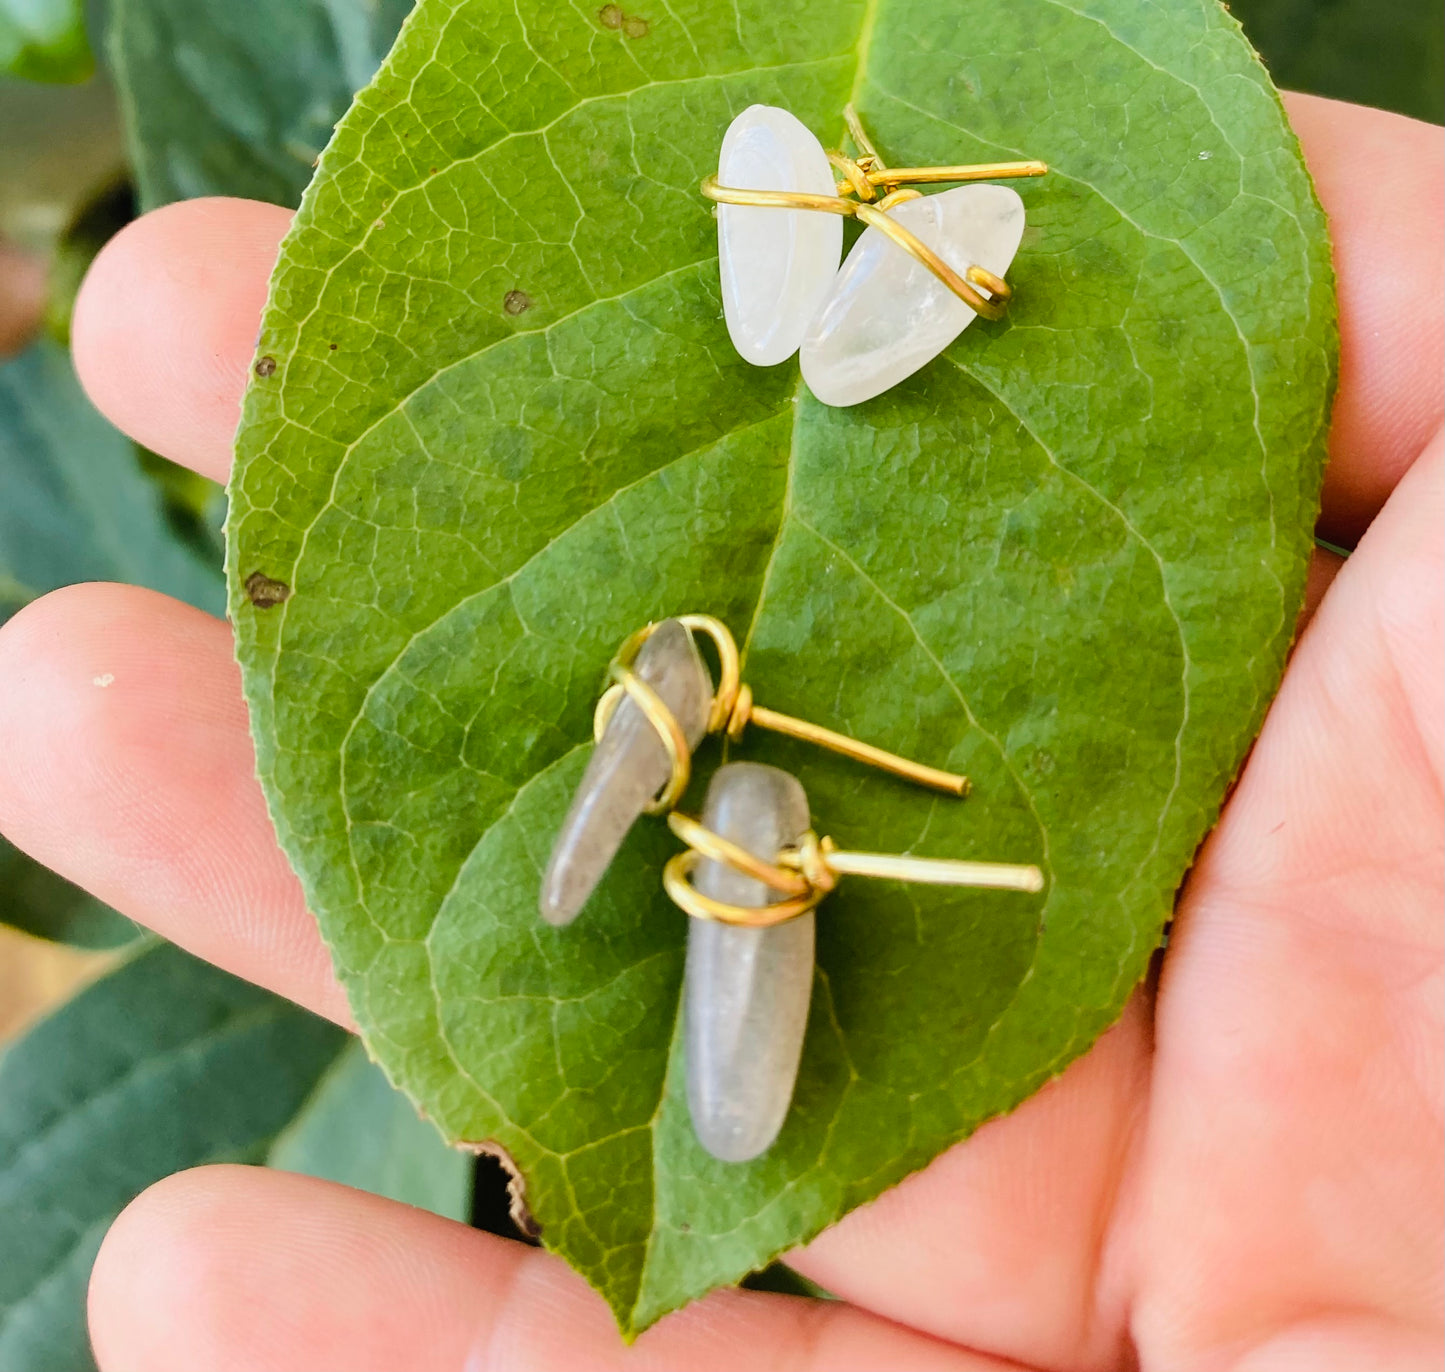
<point>887,315</point>
<point>747,990</point>
<point>776,264</point>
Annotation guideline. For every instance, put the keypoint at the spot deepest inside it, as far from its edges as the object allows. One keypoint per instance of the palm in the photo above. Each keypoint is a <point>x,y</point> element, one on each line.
<point>1244,1173</point>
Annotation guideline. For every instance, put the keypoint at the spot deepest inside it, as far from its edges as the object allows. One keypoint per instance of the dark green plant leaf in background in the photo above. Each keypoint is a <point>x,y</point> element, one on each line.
<point>35,899</point>
<point>77,507</point>
<point>356,1129</point>
<point>1065,558</point>
<point>100,215</point>
<point>166,1064</point>
<point>44,40</point>
<point>193,505</point>
<point>238,99</point>
<point>1388,53</point>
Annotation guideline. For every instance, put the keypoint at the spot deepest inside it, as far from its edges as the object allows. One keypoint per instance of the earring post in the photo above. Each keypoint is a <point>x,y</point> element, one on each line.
<point>996,876</point>
<point>978,171</point>
<point>933,777</point>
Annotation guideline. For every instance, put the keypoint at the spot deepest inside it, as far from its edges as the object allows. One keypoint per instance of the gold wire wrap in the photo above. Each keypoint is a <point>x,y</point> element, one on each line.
<point>677,882</point>
<point>707,844</point>
<point>665,725</point>
<point>805,874</point>
<point>855,176</point>
<point>775,200</point>
<point>959,285</point>
<point>861,177</point>
<point>731,712</point>
<point>875,216</point>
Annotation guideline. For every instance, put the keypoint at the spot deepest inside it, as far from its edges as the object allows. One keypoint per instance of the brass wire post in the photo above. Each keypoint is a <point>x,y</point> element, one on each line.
<point>861,177</point>
<point>732,711</point>
<point>805,874</point>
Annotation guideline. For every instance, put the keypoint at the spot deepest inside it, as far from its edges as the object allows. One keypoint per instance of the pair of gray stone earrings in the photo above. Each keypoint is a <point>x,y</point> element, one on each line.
<point>750,877</point>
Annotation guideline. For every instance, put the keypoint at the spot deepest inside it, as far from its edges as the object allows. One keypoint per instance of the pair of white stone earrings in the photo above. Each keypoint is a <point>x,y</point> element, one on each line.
<point>750,877</point>
<point>862,328</point>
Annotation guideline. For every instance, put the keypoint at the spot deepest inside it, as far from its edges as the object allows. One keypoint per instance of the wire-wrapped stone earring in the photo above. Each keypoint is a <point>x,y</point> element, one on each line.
<point>647,724</point>
<point>883,316</point>
<point>750,879</point>
<point>887,315</point>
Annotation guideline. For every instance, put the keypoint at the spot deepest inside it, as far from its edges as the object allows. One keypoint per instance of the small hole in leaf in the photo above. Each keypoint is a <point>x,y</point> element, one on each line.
<point>264,592</point>
<point>635,27</point>
<point>265,366</point>
<point>516,302</point>
<point>610,16</point>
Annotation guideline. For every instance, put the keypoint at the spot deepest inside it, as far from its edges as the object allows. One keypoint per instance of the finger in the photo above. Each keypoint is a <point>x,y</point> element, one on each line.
<point>166,322</point>
<point>1382,183</point>
<point>1006,1243</point>
<point>126,765</point>
<point>237,1269</point>
<point>1299,1028</point>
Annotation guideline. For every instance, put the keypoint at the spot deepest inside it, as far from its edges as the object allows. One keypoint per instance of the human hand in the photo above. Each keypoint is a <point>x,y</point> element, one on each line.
<point>1243,1174</point>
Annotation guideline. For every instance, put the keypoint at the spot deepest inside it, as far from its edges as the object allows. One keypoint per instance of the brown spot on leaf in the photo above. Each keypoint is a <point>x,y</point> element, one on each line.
<point>522,1217</point>
<point>332,346</point>
<point>265,366</point>
<point>263,592</point>
<point>634,26</point>
<point>516,302</point>
<point>610,16</point>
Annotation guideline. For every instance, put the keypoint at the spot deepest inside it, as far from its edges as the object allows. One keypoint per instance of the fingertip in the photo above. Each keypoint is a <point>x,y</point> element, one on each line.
<point>1381,180</point>
<point>161,1241</point>
<point>166,322</point>
<point>239,1269</point>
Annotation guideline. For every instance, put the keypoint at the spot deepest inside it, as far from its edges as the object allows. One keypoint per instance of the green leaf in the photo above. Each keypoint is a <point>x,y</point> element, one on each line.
<point>1065,558</point>
<point>44,40</point>
<point>356,1129</point>
<point>76,507</point>
<point>35,899</point>
<point>1389,53</point>
<point>228,99</point>
<point>168,1063</point>
<point>165,1064</point>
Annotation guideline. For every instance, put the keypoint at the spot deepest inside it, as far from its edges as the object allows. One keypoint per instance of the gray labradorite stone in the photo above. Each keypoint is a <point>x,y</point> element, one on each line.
<point>747,991</point>
<point>628,768</point>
